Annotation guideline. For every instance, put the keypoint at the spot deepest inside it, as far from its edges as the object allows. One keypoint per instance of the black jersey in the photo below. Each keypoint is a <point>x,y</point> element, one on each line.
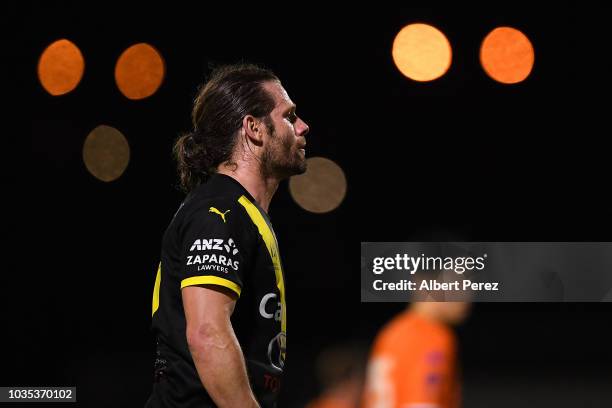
<point>219,236</point>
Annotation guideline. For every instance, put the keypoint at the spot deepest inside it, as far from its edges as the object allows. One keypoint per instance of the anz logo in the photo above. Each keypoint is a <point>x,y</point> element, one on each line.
<point>215,245</point>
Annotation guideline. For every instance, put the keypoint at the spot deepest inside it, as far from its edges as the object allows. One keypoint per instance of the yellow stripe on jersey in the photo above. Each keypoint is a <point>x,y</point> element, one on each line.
<point>156,290</point>
<point>272,245</point>
<point>210,280</point>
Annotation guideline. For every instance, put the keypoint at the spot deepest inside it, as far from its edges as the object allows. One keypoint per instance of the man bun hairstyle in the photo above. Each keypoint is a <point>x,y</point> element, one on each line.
<point>231,93</point>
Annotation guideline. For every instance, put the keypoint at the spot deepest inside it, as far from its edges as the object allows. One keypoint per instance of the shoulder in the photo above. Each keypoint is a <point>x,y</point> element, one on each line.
<point>224,208</point>
<point>220,214</point>
<point>405,331</point>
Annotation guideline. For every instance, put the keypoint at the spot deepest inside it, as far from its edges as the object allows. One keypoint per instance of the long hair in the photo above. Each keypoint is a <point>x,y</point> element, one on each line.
<point>231,93</point>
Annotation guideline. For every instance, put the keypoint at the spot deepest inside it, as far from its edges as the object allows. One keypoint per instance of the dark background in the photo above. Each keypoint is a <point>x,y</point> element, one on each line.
<point>462,156</point>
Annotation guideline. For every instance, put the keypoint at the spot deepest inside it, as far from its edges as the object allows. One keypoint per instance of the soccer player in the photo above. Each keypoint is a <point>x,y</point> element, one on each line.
<point>413,360</point>
<point>219,303</point>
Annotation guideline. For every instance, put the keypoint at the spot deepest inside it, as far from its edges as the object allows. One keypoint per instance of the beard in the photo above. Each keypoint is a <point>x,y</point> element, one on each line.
<point>282,159</point>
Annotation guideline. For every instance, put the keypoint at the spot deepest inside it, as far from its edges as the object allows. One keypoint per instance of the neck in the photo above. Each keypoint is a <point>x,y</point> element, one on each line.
<point>426,310</point>
<point>261,188</point>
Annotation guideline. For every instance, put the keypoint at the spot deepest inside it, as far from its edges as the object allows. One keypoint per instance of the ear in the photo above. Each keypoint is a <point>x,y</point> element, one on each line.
<point>252,129</point>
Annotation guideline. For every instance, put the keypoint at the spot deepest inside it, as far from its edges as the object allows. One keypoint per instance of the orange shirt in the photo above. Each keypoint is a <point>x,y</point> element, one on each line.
<point>330,402</point>
<point>412,365</point>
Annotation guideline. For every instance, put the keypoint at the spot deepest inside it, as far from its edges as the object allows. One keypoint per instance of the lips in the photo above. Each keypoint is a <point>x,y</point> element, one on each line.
<point>301,147</point>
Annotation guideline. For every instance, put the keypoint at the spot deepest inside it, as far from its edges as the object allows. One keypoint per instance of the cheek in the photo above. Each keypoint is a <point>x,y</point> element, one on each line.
<point>288,135</point>
<point>282,143</point>
<point>288,131</point>
<point>288,144</point>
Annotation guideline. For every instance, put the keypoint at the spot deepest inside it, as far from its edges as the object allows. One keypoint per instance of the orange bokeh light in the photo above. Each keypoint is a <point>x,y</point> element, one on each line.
<point>507,55</point>
<point>421,52</point>
<point>60,67</point>
<point>139,71</point>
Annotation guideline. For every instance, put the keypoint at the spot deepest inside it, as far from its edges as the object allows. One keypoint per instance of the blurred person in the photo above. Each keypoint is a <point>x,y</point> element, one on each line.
<point>413,363</point>
<point>340,372</point>
<point>219,306</point>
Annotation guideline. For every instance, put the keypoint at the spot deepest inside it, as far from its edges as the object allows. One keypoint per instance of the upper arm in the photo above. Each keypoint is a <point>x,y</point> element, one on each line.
<point>208,309</point>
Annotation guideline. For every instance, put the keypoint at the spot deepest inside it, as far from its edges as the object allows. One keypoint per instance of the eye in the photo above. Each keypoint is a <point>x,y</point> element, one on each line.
<point>292,117</point>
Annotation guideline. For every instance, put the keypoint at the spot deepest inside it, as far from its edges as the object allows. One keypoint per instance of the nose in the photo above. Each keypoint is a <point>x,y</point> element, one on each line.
<point>301,127</point>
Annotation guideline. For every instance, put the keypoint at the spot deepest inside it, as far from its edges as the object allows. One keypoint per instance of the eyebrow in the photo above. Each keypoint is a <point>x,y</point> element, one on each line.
<point>290,108</point>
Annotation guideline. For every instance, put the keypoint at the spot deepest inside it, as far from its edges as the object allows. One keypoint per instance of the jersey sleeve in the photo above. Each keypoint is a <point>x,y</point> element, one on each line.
<point>215,248</point>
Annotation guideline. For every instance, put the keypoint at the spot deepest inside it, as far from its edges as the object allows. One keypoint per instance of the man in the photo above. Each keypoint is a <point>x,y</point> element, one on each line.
<point>219,301</point>
<point>413,361</point>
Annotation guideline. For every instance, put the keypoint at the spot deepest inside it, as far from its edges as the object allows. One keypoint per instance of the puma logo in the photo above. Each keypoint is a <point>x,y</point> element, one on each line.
<point>215,211</point>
